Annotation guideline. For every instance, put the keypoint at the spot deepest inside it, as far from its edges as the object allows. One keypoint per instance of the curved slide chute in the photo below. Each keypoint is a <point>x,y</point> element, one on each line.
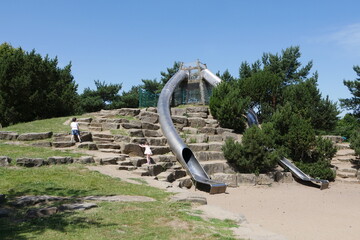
<point>184,155</point>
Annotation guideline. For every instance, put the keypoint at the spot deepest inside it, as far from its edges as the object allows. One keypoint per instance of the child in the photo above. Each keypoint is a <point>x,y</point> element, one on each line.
<point>75,130</point>
<point>147,152</point>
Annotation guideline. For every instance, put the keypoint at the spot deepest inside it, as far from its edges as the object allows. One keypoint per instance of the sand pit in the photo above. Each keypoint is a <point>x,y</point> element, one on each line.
<point>296,211</point>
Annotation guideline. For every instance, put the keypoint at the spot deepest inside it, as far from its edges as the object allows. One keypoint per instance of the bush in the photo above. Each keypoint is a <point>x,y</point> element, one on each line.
<point>227,106</point>
<point>324,150</point>
<point>355,142</point>
<point>320,170</point>
<point>253,155</point>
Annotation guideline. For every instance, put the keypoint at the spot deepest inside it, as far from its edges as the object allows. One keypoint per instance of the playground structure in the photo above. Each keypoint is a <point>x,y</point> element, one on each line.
<point>188,78</point>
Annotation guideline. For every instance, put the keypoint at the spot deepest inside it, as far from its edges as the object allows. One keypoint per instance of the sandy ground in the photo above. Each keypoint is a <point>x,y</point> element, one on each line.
<point>282,211</point>
<point>296,211</point>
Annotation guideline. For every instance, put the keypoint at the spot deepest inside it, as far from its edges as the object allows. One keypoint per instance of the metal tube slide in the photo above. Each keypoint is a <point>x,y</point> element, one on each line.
<point>184,155</point>
<point>285,163</point>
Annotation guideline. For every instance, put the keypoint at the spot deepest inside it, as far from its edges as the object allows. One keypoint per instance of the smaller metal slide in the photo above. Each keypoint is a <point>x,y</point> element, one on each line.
<point>184,155</point>
<point>285,163</point>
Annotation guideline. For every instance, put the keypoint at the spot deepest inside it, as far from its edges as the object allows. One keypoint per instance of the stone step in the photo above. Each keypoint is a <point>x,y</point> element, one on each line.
<point>127,168</point>
<point>217,166</point>
<point>347,180</point>
<point>66,144</point>
<point>141,172</point>
<point>108,145</point>
<point>126,163</point>
<point>118,151</point>
<point>209,155</point>
<point>346,173</point>
<point>345,152</point>
<point>95,129</point>
<point>344,158</point>
<point>342,145</point>
<point>103,135</point>
<point>152,169</point>
<point>137,161</point>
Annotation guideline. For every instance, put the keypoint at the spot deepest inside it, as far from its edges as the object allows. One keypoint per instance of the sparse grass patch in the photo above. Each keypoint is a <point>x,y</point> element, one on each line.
<point>121,132</point>
<point>15,151</point>
<point>159,219</point>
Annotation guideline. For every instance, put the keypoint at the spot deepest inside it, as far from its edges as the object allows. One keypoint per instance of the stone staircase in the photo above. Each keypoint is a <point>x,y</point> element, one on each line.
<point>113,136</point>
<point>346,164</point>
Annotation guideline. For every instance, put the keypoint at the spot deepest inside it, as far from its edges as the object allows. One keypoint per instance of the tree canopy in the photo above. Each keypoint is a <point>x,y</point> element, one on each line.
<point>353,103</point>
<point>33,87</point>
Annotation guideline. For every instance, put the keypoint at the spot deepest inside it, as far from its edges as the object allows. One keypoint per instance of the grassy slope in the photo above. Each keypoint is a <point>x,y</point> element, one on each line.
<point>151,220</point>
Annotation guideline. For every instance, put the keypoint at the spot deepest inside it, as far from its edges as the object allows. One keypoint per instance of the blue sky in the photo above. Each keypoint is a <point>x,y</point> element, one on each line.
<point>126,41</point>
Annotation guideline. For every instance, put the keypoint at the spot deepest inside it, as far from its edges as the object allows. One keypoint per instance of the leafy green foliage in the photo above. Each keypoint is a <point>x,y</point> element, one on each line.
<point>228,107</point>
<point>355,142</point>
<point>320,170</point>
<point>353,103</point>
<point>33,87</point>
<point>165,76</point>
<point>104,97</point>
<point>346,126</point>
<point>253,154</point>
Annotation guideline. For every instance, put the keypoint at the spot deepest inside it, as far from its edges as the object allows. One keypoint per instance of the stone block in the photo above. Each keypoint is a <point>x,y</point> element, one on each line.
<point>110,160</point>
<point>283,177</point>
<point>166,176</point>
<point>196,122</point>
<point>196,147</point>
<point>132,125</point>
<point>150,126</point>
<point>198,109</point>
<point>215,146</point>
<point>149,117</point>
<point>63,144</point>
<point>85,160</point>
<point>136,133</point>
<point>5,161</point>
<point>129,111</point>
<point>152,133</point>
<point>109,126</point>
<point>153,169</point>
<point>179,121</point>
<point>185,182</point>
<point>229,179</point>
<point>207,130</point>
<point>34,136</point>
<point>85,120</point>
<point>88,145</point>
<point>121,138</point>
<point>245,179</point>
<point>133,149</point>
<point>264,179</point>
<point>6,135</point>
<point>31,162</point>
<point>178,111</point>
<point>213,167</point>
<point>159,150</point>
<point>60,160</point>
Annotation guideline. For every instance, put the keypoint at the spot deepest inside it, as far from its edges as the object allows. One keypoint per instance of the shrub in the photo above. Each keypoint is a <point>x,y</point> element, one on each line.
<point>355,142</point>
<point>320,170</point>
<point>253,155</point>
<point>324,150</point>
<point>228,107</point>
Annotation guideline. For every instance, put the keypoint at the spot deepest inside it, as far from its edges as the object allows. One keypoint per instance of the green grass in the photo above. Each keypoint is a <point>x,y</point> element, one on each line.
<point>160,219</point>
<point>55,125</point>
<point>16,151</point>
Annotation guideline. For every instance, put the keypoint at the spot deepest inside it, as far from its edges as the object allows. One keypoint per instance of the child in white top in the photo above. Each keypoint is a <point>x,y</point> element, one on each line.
<point>147,151</point>
<point>75,131</point>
